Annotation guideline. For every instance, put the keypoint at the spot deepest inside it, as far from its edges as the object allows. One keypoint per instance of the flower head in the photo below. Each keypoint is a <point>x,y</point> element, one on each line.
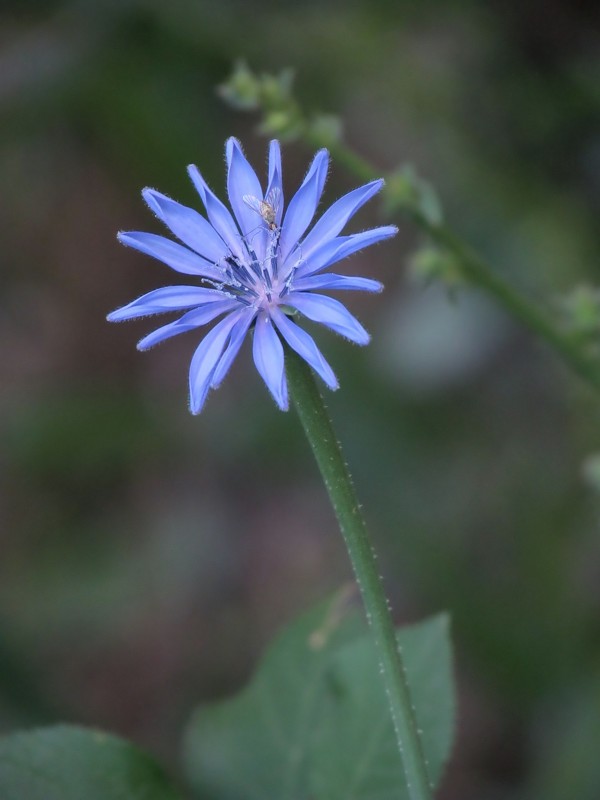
<point>254,268</point>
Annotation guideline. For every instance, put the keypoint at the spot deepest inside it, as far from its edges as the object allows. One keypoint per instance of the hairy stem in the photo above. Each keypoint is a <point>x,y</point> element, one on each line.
<point>328,454</point>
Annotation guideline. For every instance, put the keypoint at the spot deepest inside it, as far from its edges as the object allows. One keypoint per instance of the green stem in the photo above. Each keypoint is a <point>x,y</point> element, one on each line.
<point>317,426</point>
<point>480,274</point>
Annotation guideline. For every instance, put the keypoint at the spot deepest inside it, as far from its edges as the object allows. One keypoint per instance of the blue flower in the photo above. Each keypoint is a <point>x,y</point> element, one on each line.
<point>254,268</point>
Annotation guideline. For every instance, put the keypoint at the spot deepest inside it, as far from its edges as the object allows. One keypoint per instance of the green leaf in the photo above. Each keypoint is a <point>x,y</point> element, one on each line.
<point>314,722</point>
<point>356,755</point>
<point>69,763</point>
<point>255,745</point>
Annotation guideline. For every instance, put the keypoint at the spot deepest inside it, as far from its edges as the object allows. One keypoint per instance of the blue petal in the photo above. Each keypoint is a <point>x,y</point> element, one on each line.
<point>205,359</point>
<point>170,253</point>
<point>336,217</point>
<point>325,253</point>
<point>342,247</point>
<point>193,319</point>
<point>241,180</point>
<point>275,177</point>
<point>169,298</point>
<point>188,225</point>
<point>305,346</point>
<point>303,204</point>
<point>274,160</point>
<point>268,357</point>
<point>329,312</point>
<point>218,214</point>
<point>238,334</point>
<point>329,280</point>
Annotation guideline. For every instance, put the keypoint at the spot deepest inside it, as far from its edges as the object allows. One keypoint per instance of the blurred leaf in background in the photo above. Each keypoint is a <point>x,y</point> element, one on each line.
<point>68,763</point>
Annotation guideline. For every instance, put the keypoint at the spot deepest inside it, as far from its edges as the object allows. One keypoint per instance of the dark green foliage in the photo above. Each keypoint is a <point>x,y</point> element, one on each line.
<point>70,763</point>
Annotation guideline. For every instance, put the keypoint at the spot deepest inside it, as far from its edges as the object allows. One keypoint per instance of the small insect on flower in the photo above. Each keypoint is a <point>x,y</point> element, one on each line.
<point>267,208</point>
<point>254,275</point>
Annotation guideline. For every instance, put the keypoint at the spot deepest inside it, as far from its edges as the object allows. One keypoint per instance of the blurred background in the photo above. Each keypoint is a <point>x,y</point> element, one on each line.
<point>147,556</point>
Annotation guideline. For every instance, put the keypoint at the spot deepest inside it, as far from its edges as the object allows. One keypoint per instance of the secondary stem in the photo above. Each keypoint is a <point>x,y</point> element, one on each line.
<point>327,451</point>
<point>480,274</point>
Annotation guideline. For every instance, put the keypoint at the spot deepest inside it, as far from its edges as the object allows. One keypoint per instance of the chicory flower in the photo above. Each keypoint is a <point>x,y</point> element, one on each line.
<point>256,268</point>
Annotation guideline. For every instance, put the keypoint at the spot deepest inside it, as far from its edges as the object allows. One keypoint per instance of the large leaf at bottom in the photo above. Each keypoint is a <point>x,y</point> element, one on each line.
<point>314,722</point>
<point>355,755</point>
<point>69,763</point>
